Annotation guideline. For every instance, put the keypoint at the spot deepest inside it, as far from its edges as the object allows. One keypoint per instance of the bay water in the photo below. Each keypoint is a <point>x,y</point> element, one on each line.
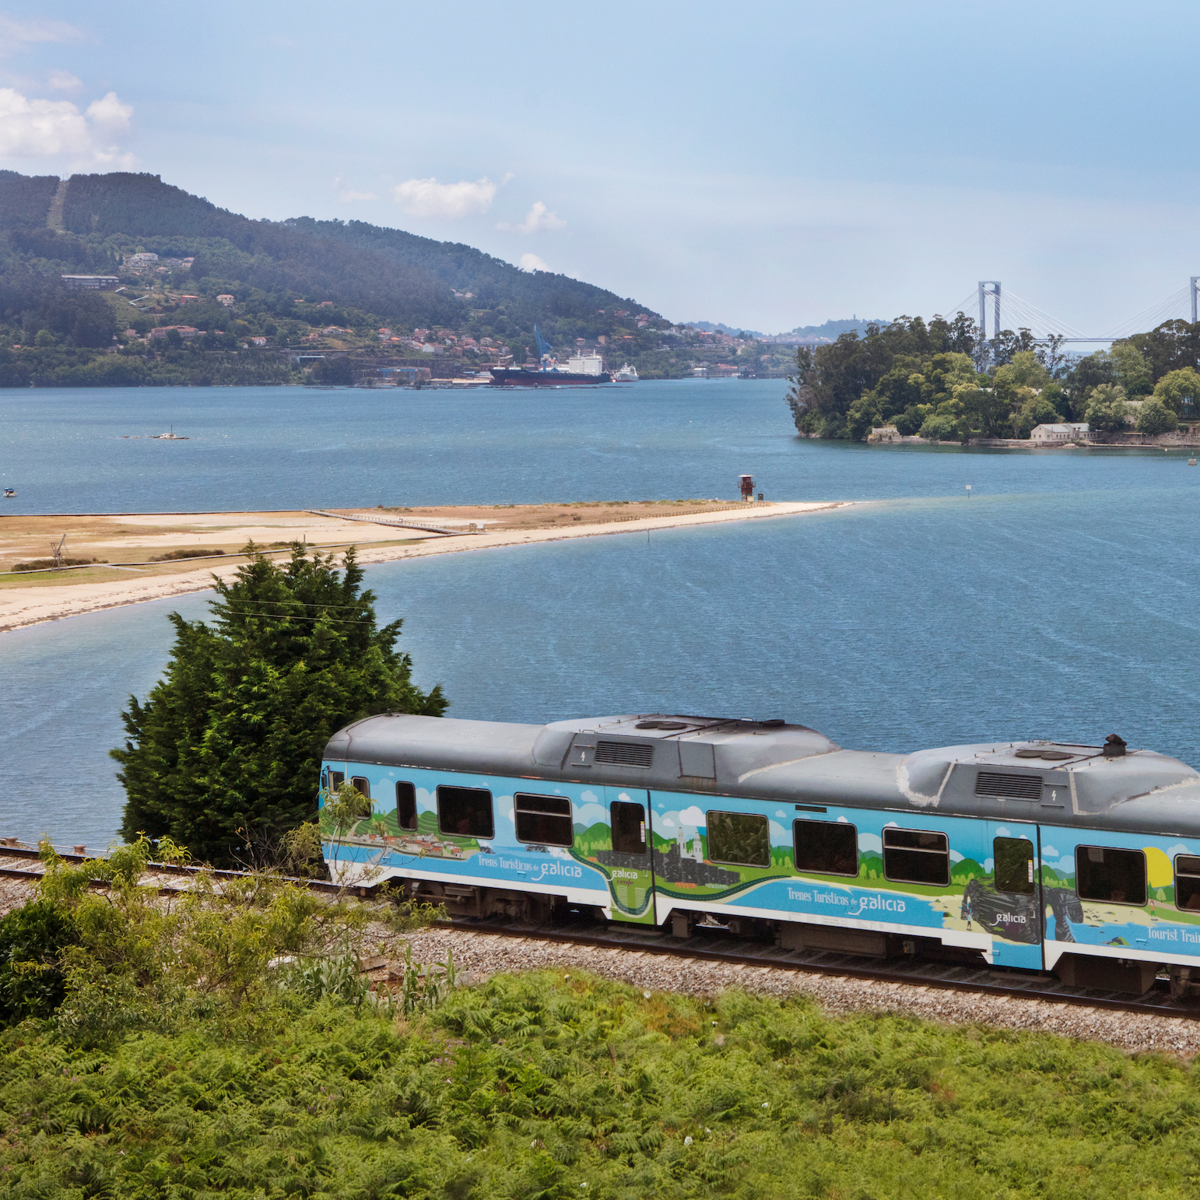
<point>1058,601</point>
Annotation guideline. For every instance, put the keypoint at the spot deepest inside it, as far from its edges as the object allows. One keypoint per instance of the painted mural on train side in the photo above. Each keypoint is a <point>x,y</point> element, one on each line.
<point>969,881</point>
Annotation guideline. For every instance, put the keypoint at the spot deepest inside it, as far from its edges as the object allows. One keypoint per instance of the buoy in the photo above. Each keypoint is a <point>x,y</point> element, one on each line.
<point>1191,462</point>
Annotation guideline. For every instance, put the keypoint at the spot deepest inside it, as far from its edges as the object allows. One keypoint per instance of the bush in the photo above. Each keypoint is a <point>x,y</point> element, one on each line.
<point>940,429</point>
<point>173,555</point>
<point>333,372</point>
<point>908,422</point>
<point>32,942</point>
<point>48,564</point>
<point>1155,417</point>
<point>1106,408</point>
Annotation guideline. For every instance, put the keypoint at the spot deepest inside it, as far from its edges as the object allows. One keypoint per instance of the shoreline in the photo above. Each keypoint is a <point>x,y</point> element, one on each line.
<point>21,607</point>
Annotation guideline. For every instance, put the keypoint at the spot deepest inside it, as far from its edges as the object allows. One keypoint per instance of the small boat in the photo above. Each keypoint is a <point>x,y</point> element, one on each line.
<point>9,493</point>
<point>626,374</point>
<point>169,436</point>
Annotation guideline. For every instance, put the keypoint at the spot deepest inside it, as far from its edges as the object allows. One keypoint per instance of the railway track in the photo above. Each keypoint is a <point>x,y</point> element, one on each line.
<point>713,944</point>
<point>717,944</point>
<point>24,862</point>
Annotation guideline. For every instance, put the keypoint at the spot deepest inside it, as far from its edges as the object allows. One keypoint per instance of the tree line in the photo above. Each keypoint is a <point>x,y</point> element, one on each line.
<point>925,378</point>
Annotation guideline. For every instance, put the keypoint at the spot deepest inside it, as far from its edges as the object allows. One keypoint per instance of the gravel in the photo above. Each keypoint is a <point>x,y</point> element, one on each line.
<point>478,955</point>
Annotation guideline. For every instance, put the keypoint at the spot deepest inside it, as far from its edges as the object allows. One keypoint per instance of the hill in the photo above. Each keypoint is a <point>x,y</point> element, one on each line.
<point>341,284</point>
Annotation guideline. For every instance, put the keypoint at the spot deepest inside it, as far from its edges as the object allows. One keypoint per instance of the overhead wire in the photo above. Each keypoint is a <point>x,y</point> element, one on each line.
<point>1018,313</point>
<point>1174,306</point>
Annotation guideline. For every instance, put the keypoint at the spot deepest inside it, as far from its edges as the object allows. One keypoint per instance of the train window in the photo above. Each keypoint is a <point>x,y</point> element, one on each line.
<point>544,819</point>
<point>1111,875</point>
<point>336,779</point>
<point>466,812</point>
<point>825,847</point>
<point>1187,882</point>
<point>916,856</point>
<point>406,806</point>
<point>1014,865</point>
<point>361,784</point>
<point>628,827</point>
<point>741,838</point>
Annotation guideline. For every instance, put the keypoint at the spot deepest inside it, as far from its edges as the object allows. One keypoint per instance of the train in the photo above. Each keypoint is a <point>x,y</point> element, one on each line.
<point>1078,860</point>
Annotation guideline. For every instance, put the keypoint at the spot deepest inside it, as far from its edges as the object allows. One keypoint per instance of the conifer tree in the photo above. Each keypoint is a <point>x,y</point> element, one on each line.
<point>226,749</point>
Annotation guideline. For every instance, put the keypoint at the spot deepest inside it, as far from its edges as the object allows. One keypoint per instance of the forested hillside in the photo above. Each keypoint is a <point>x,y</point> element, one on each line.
<point>292,283</point>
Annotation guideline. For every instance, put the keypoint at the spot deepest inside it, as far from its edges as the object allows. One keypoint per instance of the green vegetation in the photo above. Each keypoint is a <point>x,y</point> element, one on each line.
<point>556,1085</point>
<point>50,564</point>
<point>222,1041</point>
<point>198,552</point>
<point>297,284</point>
<point>923,379</point>
<point>225,753</point>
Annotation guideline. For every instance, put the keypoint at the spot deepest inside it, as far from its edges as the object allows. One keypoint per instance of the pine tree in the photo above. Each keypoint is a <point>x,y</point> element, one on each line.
<point>227,748</point>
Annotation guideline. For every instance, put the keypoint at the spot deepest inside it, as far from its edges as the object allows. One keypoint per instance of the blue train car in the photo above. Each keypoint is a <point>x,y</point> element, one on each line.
<point>1084,860</point>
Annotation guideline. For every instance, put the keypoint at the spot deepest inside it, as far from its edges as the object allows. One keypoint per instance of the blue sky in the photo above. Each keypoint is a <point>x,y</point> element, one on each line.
<point>766,164</point>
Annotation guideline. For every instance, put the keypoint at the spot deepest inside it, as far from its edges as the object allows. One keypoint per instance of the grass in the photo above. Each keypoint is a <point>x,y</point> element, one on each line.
<point>550,1086</point>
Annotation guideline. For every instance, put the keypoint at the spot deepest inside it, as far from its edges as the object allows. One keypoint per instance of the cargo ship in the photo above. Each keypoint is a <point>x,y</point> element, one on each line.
<point>581,370</point>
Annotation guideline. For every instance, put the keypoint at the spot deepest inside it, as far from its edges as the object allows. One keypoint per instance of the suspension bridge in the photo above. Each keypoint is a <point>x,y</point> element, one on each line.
<point>1021,314</point>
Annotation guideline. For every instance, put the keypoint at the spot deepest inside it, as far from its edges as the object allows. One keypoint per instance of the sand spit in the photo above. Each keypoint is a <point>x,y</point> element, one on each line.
<point>138,538</point>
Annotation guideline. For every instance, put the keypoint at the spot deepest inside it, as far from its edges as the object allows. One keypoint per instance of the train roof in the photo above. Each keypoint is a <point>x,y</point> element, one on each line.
<point>1051,782</point>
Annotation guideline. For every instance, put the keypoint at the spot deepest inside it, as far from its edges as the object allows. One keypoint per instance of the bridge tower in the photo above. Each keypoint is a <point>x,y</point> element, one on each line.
<point>989,287</point>
<point>1195,279</point>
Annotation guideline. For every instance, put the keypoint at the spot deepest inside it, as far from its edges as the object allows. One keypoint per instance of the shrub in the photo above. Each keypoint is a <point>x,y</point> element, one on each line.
<point>940,428</point>
<point>1106,408</point>
<point>1155,417</point>
<point>32,942</point>
<point>198,552</point>
<point>47,564</point>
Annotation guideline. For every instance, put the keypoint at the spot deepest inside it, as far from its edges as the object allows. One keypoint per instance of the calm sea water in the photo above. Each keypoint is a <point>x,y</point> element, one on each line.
<point>90,450</point>
<point>1058,601</point>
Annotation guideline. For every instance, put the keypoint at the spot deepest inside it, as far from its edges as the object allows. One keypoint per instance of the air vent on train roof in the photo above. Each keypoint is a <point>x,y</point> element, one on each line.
<point>1015,787</point>
<point>625,754</point>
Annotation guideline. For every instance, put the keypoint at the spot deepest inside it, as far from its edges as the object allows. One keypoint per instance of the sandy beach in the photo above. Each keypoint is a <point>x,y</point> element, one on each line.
<point>29,598</point>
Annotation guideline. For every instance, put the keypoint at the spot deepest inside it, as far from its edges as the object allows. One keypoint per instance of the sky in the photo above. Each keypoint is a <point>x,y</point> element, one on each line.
<point>767,165</point>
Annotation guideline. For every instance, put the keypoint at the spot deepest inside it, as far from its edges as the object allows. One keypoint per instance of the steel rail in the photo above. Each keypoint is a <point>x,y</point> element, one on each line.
<point>717,945</point>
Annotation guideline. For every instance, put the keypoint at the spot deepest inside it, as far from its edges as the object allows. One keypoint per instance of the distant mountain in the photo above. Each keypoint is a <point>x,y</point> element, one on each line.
<point>834,329</point>
<point>831,329</point>
<point>709,327</point>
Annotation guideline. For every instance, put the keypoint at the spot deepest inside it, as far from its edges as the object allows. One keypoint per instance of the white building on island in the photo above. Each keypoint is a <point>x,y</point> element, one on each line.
<point>1049,435</point>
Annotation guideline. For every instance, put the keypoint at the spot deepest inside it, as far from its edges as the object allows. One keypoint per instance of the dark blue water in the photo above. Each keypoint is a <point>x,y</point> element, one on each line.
<point>1060,601</point>
<point>89,450</point>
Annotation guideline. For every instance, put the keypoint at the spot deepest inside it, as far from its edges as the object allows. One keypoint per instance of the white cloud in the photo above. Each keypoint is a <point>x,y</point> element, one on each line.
<point>45,128</point>
<point>350,196</point>
<point>428,198</point>
<point>538,217</point>
<point>591,813</point>
<point>531,262</point>
<point>64,81</point>
<point>692,816</point>
<point>16,36</point>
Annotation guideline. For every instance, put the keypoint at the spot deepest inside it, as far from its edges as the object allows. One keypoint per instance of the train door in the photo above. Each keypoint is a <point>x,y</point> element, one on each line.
<point>1010,908</point>
<point>630,862</point>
